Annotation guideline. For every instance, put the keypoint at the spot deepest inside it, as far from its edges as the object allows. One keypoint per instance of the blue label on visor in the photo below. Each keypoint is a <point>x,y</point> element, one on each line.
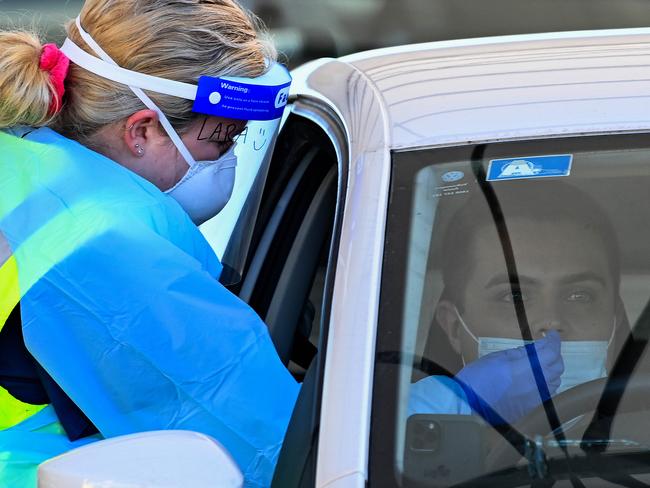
<point>238,100</point>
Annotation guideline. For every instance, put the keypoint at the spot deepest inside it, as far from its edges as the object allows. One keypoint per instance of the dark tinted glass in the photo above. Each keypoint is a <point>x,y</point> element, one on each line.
<point>513,319</point>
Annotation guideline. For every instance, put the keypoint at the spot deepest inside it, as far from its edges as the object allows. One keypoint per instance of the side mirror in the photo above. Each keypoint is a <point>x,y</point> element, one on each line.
<point>161,459</point>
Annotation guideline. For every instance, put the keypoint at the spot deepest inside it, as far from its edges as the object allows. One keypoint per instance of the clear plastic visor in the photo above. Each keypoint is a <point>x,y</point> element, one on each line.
<point>230,231</point>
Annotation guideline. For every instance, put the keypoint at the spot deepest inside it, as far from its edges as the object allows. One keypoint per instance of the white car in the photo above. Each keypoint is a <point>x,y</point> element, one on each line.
<point>378,151</point>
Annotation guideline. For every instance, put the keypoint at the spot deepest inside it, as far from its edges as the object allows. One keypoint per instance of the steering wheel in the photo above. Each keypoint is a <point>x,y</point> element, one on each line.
<point>572,403</point>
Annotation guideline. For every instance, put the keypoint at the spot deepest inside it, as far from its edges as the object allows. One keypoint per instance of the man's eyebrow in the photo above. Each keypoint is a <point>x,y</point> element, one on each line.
<point>583,276</point>
<point>505,278</point>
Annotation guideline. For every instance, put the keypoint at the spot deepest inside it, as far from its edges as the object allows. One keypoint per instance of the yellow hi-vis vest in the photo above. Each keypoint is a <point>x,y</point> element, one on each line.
<point>12,410</point>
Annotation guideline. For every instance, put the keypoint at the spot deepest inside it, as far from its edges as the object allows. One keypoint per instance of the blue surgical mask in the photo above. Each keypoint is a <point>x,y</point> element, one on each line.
<point>583,360</point>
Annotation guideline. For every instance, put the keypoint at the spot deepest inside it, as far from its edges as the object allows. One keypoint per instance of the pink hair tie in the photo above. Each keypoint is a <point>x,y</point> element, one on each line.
<point>56,63</point>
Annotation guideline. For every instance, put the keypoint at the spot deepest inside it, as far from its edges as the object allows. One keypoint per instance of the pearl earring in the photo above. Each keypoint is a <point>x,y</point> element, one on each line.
<point>139,149</point>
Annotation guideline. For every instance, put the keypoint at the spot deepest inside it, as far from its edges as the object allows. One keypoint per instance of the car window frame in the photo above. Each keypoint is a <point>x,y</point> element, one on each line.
<point>303,473</point>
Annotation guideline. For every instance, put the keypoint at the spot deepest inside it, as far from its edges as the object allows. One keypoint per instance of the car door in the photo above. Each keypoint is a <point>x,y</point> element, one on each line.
<point>289,274</point>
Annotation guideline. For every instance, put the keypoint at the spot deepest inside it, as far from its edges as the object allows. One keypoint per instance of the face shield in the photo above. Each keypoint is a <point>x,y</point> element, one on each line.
<point>230,231</point>
<point>260,101</point>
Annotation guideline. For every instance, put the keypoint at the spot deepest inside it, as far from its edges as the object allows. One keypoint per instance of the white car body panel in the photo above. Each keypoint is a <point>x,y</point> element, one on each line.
<point>506,87</point>
<point>155,459</point>
<point>363,216</point>
<point>439,94</point>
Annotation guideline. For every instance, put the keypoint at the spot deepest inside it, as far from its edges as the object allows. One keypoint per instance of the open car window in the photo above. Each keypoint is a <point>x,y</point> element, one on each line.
<point>513,319</point>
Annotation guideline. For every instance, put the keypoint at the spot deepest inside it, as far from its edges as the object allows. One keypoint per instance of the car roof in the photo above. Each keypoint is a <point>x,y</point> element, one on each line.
<point>499,88</point>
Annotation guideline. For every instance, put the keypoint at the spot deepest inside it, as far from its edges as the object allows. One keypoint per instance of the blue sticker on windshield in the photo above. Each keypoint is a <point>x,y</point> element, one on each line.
<point>237,100</point>
<point>529,167</point>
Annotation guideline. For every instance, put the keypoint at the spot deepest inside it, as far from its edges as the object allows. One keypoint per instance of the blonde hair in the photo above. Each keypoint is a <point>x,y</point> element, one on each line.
<point>25,89</point>
<point>176,39</point>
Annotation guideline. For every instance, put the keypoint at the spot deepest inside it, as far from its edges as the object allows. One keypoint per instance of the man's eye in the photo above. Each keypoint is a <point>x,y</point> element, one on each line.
<point>513,296</point>
<point>580,296</point>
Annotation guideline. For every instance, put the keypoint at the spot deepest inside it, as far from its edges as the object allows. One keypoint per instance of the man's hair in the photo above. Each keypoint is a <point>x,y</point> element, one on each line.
<point>534,200</point>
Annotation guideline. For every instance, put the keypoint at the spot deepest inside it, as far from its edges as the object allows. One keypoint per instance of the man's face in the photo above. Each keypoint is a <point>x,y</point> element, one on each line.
<point>565,284</point>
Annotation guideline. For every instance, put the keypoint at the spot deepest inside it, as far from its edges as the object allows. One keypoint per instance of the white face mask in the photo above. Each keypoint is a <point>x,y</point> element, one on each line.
<point>583,360</point>
<point>206,187</point>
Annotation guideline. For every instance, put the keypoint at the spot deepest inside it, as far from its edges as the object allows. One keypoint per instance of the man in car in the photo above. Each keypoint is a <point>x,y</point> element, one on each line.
<point>535,324</point>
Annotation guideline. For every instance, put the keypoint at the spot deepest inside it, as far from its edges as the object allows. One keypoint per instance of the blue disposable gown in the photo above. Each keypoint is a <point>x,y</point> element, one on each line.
<point>122,307</point>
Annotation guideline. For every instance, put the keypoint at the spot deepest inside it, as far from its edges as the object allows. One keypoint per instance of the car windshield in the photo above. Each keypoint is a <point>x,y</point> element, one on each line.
<point>514,316</point>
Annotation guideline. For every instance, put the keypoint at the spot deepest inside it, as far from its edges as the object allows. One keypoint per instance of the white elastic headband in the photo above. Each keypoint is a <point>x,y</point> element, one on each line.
<point>110,70</point>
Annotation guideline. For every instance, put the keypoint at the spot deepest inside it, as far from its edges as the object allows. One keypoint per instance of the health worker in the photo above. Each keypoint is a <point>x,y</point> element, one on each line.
<point>567,280</point>
<point>151,118</point>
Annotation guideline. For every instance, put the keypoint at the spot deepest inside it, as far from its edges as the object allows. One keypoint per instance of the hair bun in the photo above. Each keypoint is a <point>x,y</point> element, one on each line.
<point>26,90</point>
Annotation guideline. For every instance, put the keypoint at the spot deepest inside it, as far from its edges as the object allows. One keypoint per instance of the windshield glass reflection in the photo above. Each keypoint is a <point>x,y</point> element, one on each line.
<point>516,349</point>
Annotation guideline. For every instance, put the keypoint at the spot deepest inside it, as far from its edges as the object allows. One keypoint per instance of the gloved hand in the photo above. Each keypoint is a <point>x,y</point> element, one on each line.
<point>501,386</point>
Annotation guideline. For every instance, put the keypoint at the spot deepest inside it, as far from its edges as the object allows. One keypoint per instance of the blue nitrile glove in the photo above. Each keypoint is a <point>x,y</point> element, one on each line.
<point>501,386</point>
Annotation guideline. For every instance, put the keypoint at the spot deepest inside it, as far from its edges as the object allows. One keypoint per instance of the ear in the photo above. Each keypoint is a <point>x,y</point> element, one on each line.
<point>447,318</point>
<point>141,131</point>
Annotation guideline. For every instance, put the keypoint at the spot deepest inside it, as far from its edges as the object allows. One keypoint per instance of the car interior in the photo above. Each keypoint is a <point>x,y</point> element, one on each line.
<point>286,277</point>
<point>613,172</point>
